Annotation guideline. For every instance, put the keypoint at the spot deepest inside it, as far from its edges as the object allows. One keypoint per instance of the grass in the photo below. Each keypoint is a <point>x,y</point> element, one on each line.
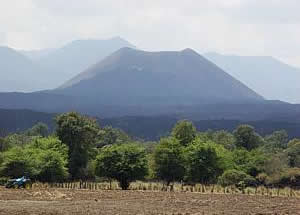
<point>176,187</point>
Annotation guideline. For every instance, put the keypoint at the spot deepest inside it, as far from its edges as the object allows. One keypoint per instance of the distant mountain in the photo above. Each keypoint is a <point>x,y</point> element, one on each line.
<point>131,82</point>
<point>35,70</point>
<point>73,58</point>
<point>266,75</point>
<point>35,55</point>
<point>18,73</point>
<point>134,77</point>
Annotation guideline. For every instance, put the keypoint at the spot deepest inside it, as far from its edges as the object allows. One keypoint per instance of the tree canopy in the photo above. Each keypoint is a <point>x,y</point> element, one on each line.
<point>184,131</point>
<point>78,133</point>
<point>124,163</point>
<point>169,160</point>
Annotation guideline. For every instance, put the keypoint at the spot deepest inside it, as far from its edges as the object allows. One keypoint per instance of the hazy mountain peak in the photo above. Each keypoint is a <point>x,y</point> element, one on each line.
<point>131,76</point>
<point>19,73</point>
<point>189,50</point>
<point>127,50</point>
<point>79,55</point>
<point>6,51</point>
<point>266,75</point>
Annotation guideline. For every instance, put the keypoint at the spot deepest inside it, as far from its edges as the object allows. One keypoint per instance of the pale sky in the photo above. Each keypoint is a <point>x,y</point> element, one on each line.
<point>241,27</point>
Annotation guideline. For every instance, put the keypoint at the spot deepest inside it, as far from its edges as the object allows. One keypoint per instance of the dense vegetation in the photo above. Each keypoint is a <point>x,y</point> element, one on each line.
<point>80,149</point>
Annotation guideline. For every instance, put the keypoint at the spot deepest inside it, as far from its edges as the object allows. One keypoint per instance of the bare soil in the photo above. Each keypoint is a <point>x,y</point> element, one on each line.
<point>63,201</point>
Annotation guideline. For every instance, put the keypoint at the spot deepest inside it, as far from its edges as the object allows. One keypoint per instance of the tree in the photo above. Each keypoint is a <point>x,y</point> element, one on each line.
<point>293,153</point>
<point>184,131</point>
<point>17,140</point>
<point>250,162</point>
<point>44,159</point>
<point>224,138</point>
<point>109,136</point>
<point>202,163</point>
<point>169,160</point>
<point>79,134</point>
<point>40,129</point>
<point>246,137</point>
<point>124,163</point>
<point>275,164</point>
<point>278,140</point>
<point>14,163</point>
<point>3,144</point>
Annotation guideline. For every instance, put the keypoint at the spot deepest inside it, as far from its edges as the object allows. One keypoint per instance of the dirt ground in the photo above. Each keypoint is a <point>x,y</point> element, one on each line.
<point>63,201</point>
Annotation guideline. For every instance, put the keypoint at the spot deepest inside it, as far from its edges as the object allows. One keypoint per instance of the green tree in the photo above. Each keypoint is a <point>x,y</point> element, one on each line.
<point>293,153</point>
<point>277,141</point>
<point>79,134</point>
<point>15,163</point>
<point>124,163</point>
<point>202,163</point>
<point>18,140</point>
<point>40,129</point>
<point>246,137</point>
<point>251,163</point>
<point>224,138</point>
<point>275,164</point>
<point>184,131</point>
<point>3,144</point>
<point>109,136</point>
<point>169,160</point>
<point>44,159</point>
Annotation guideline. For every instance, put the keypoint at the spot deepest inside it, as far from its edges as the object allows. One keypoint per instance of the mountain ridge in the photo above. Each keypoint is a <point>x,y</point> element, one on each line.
<point>267,75</point>
<point>157,74</point>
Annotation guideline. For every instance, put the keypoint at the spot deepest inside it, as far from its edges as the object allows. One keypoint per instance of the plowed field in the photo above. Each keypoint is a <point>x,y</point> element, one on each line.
<point>63,201</point>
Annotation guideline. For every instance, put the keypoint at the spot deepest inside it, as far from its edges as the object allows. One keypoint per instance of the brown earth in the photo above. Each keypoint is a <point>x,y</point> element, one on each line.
<point>63,201</point>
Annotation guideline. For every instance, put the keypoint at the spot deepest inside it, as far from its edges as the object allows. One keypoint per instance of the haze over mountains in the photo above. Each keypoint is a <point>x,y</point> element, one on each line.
<point>266,75</point>
<point>28,71</point>
<point>75,57</point>
<point>18,73</point>
<point>132,82</point>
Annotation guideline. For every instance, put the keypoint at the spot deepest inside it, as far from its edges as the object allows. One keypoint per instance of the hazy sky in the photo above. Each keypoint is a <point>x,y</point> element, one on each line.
<point>242,27</point>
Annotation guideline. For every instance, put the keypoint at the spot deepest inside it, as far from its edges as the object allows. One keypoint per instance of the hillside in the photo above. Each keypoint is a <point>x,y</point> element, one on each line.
<point>20,120</point>
<point>266,75</point>
<point>18,73</point>
<point>146,127</point>
<point>134,77</point>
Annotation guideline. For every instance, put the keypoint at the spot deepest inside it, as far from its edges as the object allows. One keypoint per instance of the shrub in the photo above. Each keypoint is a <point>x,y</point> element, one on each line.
<point>237,178</point>
<point>288,177</point>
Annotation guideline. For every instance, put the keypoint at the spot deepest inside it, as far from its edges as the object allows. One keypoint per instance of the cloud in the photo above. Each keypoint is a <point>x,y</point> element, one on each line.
<point>2,38</point>
<point>267,12</point>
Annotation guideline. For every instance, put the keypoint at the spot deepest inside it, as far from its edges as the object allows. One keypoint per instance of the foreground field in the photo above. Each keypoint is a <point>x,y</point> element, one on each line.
<point>63,201</point>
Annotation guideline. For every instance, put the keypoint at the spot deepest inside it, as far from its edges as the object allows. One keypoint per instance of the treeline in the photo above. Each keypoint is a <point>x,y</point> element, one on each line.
<point>80,149</point>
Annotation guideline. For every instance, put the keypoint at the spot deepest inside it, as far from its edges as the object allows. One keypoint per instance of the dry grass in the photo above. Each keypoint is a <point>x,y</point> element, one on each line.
<point>176,187</point>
